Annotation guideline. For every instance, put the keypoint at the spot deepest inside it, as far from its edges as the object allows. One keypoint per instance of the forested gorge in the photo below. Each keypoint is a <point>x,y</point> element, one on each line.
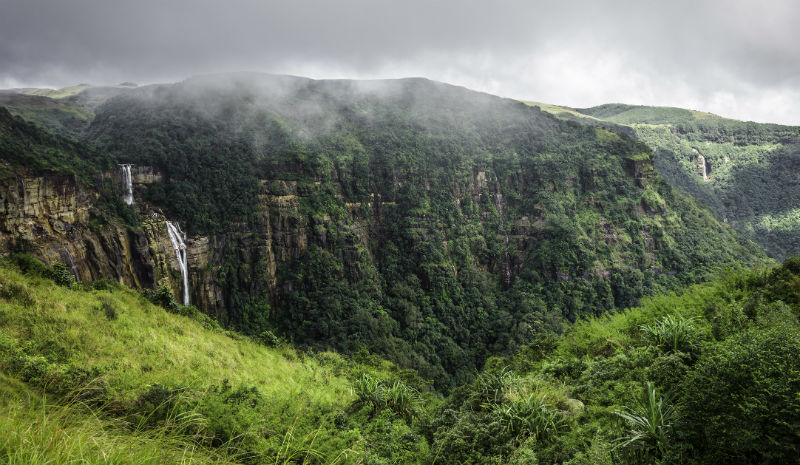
<point>392,272</point>
<point>444,225</point>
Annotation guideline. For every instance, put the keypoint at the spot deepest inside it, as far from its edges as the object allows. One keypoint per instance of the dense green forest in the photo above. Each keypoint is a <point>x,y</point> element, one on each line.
<point>752,169</point>
<point>444,225</point>
<point>95,372</point>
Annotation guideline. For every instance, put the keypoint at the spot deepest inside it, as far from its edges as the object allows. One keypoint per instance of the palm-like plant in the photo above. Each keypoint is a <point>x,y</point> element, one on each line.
<point>649,426</point>
<point>675,334</point>
<point>531,417</point>
<point>397,396</point>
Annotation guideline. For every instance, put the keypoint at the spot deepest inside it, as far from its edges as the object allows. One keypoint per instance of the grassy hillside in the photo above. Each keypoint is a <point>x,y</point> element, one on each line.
<point>25,146</point>
<point>98,374</point>
<point>136,372</point>
<point>710,376</point>
<point>639,114</point>
<point>67,111</point>
<point>59,116</point>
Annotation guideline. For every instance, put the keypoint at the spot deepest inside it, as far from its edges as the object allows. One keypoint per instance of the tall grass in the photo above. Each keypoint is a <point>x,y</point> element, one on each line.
<point>380,395</point>
<point>119,353</point>
<point>39,434</point>
<point>531,416</point>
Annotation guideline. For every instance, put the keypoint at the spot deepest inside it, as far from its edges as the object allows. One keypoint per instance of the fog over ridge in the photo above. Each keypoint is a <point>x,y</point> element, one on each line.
<point>738,60</point>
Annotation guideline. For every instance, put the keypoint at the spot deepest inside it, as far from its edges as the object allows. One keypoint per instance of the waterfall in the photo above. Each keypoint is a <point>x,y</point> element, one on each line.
<point>498,201</point>
<point>702,160</point>
<point>72,265</point>
<point>176,236</point>
<point>128,179</point>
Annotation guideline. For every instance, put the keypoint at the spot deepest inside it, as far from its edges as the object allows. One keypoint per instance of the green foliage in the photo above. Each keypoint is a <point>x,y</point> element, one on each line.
<point>740,401</point>
<point>649,427</point>
<point>380,395</point>
<point>591,395</point>
<point>433,225</point>
<point>185,385</point>
<point>38,432</point>
<point>25,145</point>
<point>530,417</point>
<point>744,160</point>
<point>672,333</point>
<point>722,349</point>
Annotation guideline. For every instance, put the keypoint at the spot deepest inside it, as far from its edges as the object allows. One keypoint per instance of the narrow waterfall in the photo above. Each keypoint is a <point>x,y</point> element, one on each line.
<point>72,265</point>
<point>128,179</point>
<point>176,236</point>
<point>498,201</point>
<point>702,160</point>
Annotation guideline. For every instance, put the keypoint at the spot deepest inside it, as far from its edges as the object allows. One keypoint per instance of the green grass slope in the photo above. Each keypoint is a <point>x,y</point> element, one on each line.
<point>96,373</point>
<point>66,112</point>
<point>133,374</point>
<point>25,146</point>
<point>37,432</point>
<point>59,116</point>
<point>641,114</point>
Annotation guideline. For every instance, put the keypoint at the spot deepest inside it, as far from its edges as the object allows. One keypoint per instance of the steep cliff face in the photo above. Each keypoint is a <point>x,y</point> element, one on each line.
<point>51,216</point>
<point>56,218</point>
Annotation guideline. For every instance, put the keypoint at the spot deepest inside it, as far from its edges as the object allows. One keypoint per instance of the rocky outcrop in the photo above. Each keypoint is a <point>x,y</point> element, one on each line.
<point>640,168</point>
<point>52,216</point>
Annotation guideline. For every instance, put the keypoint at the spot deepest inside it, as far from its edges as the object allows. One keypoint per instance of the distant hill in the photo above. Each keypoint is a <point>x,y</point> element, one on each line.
<point>752,170</point>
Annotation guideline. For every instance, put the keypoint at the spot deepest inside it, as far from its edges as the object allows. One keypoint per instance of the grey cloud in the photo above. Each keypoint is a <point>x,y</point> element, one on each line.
<point>726,57</point>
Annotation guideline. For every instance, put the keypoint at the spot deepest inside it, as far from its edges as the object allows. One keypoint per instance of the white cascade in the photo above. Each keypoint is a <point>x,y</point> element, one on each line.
<point>72,265</point>
<point>176,236</point>
<point>498,201</point>
<point>702,160</point>
<point>128,179</point>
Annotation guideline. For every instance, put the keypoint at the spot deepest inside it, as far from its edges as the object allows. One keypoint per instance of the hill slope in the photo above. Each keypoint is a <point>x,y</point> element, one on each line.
<point>155,377</point>
<point>751,169</point>
<point>710,376</point>
<point>428,222</point>
<point>130,382</point>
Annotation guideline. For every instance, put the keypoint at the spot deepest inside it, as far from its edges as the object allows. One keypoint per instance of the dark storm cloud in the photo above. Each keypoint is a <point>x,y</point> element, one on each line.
<point>739,59</point>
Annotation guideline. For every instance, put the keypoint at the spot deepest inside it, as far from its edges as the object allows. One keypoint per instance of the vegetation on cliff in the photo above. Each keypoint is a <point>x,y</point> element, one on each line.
<point>752,169</point>
<point>431,224</point>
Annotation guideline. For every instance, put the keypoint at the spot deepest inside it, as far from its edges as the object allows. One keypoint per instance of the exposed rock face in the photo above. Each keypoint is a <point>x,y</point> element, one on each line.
<point>50,216</point>
<point>641,169</point>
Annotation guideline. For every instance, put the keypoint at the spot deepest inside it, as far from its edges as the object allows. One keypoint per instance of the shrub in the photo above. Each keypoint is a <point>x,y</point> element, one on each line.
<point>62,275</point>
<point>741,403</point>
<point>672,334</point>
<point>108,309</point>
<point>649,427</point>
<point>396,396</point>
<point>530,417</point>
<point>11,290</point>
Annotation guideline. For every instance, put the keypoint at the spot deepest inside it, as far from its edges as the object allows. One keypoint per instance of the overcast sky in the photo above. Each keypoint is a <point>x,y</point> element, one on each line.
<point>736,58</point>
